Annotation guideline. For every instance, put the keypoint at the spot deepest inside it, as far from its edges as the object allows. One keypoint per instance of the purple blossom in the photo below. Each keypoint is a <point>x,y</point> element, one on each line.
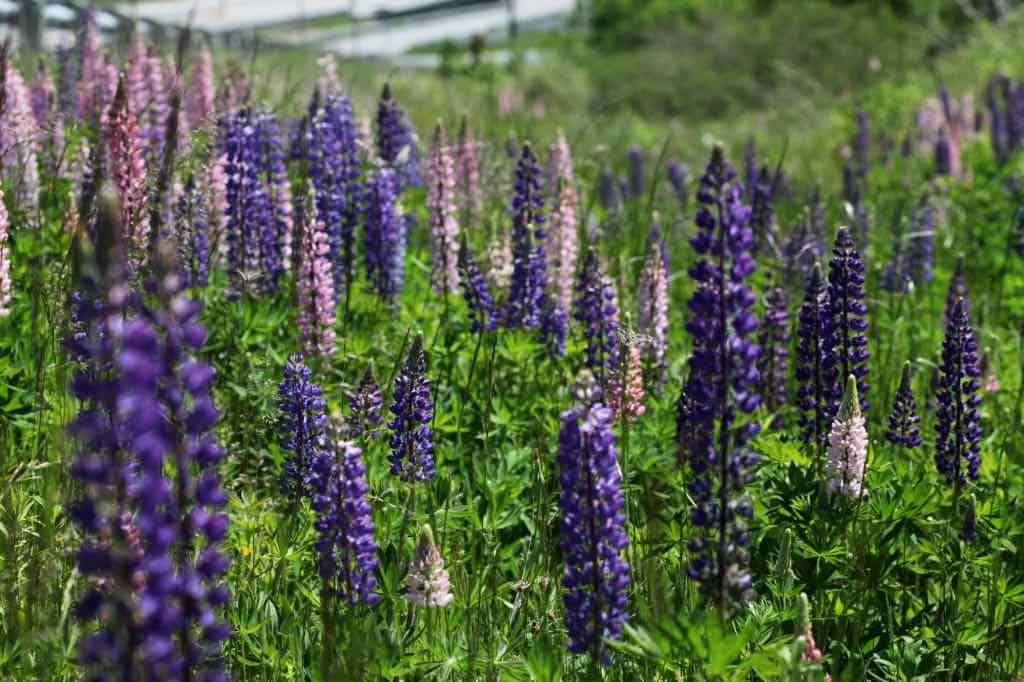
<point>523,307</point>
<point>192,234</point>
<point>476,292</point>
<point>958,421</point>
<point>301,426</point>
<point>903,419</point>
<point>412,439</point>
<point>678,177</point>
<point>845,332</point>
<point>773,362</point>
<point>595,309</point>
<point>593,532</point>
<point>396,142</point>
<point>636,170</point>
<point>364,409</point>
<point>384,236</point>
<point>607,191</point>
<point>812,390</point>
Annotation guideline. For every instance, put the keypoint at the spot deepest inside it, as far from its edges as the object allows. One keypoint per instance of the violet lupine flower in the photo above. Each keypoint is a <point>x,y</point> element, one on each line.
<point>384,236</point>
<point>845,334</point>
<point>364,409</point>
<point>847,445</point>
<point>412,439</point>
<point>529,277</point>
<point>562,243</point>
<point>652,301</point>
<point>128,171</point>
<point>200,96</point>
<point>636,170</point>
<point>812,392</point>
<point>5,259</point>
<point>554,326</point>
<point>607,191</point>
<point>19,140</point>
<point>921,249</point>
<point>42,96</point>
<point>722,383</point>
<point>773,362</point>
<point>595,309</point>
<point>903,419</point>
<point>958,422</point>
<point>593,536</point>
<point>762,210</point>
<point>444,228</point>
<point>429,585</point>
<point>334,169</point>
<point>192,234</point>
<point>246,203</point>
<point>275,239</point>
<point>467,173</point>
<point>861,144</point>
<point>301,426</point>
<point>956,291</point>
<point>90,66</point>
<point>67,82</point>
<point>482,314</point>
<point>315,285</point>
<point>943,154</point>
<point>678,177</point>
<point>396,143</point>
<point>624,189</point>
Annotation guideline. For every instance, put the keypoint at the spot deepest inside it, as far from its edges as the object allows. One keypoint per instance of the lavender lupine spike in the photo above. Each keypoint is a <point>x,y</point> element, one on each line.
<point>921,249</point>
<point>444,228</point>
<point>90,66</point>
<point>429,585</point>
<point>652,301</point>
<point>596,310</point>
<point>943,154</point>
<point>42,97</point>
<point>364,409</point>
<point>200,96</point>
<point>903,419</point>
<point>773,362</point>
<point>593,536</point>
<point>191,230</point>
<point>722,383</point>
<point>475,290</point>
<point>19,139</point>
<point>467,173</point>
<point>301,426</point>
<point>5,259</point>
<point>607,190</point>
<point>845,335</point>
<point>523,308</point>
<point>678,177</point>
<point>562,243</point>
<point>275,240</point>
<point>244,202</point>
<point>128,171</point>
<point>384,236</point>
<point>315,285</point>
<point>412,440</point>
<point>396,143</point>
<point>958,421</point>
<point>636,170</point>
<point>847,445</point>
<point>335,171</point>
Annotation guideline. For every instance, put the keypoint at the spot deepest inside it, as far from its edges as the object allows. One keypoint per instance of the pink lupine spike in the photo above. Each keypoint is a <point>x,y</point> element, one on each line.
<point>444,229</point>
<point>199,101</point>
<point>5,259</point>
<point>626,387</point>
<point>128,171</point>
<point>315,285</point>
<point>217,198</point>
<point>559,162</point>
<point>652,300</point>
<point>562,244</point>
<point>467,178</point>
<point>19,140</point>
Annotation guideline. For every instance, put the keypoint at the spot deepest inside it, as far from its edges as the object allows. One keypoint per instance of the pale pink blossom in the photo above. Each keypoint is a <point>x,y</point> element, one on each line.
<point>429,585</point>
<point>127,169</point>
<point>315,285</point>
<point>5,259</point>
<point>199,101</point>
<point>562,244</point>
<point>848,446</point>
<point>467,175</point>
<point>444,228</point>
<point>626,387</point>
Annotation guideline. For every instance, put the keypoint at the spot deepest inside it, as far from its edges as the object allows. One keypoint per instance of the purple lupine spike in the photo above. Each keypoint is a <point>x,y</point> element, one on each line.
<point>594,539</point>
<point>412,439</point>
<point>920,252</point>
<point>467,172</point>
<point>192,234</point>
<point>678,177</point>
<point>903,419</point>
<point>722,383</point>
<point>334,169</point>
<point>314,283</point>
<point>396,142</point>
<point>1012,96</point>
<point>42,96</point>
<point>812,390</point>
<point>444,228</point>
<point>275,237</point>
<point>773,362</point>
<point>67,83</point>
<point>956,291</point>
<point>943,154</point>
<point>762,210</point>
<point>301,426</point>
<point>845,335</point>
<point>607,190</point>
<point>384,236</point>
<point>529,276</point>
<point>958,422</point>
<point>364,409</point>
<point>242,187</point>
<point>475,290</point>
<point>652,301</point>
<point>554,326</point>
<point>636,170</point>
<point>624,191</point>
<point>595,308</point>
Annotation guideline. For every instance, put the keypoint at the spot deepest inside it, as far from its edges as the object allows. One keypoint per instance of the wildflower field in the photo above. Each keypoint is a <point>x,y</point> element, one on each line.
<point>347,374</point>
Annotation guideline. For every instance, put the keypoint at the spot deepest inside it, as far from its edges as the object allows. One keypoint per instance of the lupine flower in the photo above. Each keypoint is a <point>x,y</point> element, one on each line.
<point>200,96</point>
<point>593,536</point>
<point>529,277</point>
<point>607,191</point>
<point>636,170</point>
<point>969,529</point>
<point>42,96</point>
<point>301,426</point>
<point>847,445</point>
<point>444,229</point>
<point>559,171</point>
<point>596,310</point>
<point>91,67</point>
<point>482,314</point>
<point>903,419</point>
<point>624,189</point>
<point>384,236</point>
<point>861,144</point>
<point>396,143</point>
<point>67,82</point>
<point>499,260</point>
<point>554,326</point>
<point>429,586</point>
<point>678,177</point>
<point>315,285</point>
<point>334,170</point>
<point>364,409</point>
<point>626,382</point>
<point>128,171</point>
<point>811,652</point>
<point>943,154</point>
<point>920,251</point>
<point>412,440</point>
<point>773,362</point>
<point>958,422</point>
<point>275,241</point>
<point>192,233</point>
<point>956,291</point>
<point>716,393</point>
<point>762,209</point>
<point>562,243</point>
<point>19,139</point>
<point>467,172</point>
<point>652,300</point>
<point>5,259</point>
<point>845,334</point>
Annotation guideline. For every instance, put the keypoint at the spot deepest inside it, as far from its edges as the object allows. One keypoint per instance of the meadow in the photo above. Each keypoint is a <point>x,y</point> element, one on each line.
<point>319,370</point>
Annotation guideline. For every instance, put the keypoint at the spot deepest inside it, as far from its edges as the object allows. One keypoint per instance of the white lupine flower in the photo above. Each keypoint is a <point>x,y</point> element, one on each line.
<point>428,580</point>
<point>848,445</point>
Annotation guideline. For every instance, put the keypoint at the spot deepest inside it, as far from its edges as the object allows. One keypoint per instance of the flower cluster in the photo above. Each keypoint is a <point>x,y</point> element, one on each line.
<point>476,292</point>
<point>844,337</point>
<point>444,229</point>
<point>384,236</point>
<point>812,390</point>
<point>302,422</point>
<point>315,284</point>
<point>593,537</point>
<point>773,362</point>
<point>364,409</point>
<point>523,308</point>
<point>128,171</point>
<point>652,301</point>
<point>5,259</point>
<point>412,439</point>
<point>958,421</point>
<point>191,231</point>
<point>467,172</point>
<point>429,586</point>
<point>596,310</point>
<point>848,445</point>
<point>396,142</point>
<point>903,419</point>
